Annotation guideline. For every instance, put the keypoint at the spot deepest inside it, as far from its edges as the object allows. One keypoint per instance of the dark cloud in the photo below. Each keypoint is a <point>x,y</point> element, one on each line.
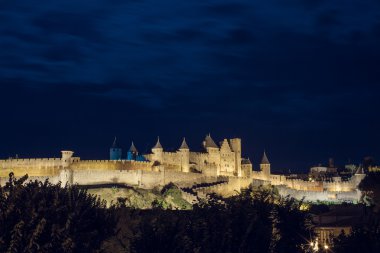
<point>188,34</point>
<point>328,18</point>
<point>227,9</point>
<point>298,78</point>
<point>69,23</point>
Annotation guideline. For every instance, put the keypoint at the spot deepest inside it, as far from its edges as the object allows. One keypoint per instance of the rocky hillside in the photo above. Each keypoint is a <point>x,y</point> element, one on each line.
<point>169,197</point>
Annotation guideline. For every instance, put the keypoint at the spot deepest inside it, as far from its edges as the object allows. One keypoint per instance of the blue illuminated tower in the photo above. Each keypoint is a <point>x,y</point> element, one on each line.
<point>132,153</point>
<point>115,151</point>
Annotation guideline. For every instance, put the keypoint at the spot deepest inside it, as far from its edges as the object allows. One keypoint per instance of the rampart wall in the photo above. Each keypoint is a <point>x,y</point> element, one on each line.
<point>32,167</point>
<point>302,185</point>
<point>142,178</point>
<point>173,158</point>
<point>112,165</point>
<point>246,170</point>
<point>147,175</point>
<point>349,196</point>
<point>229,186</point>
<point>96,176</point>
<point>198,158</point>
<point>342,186</point>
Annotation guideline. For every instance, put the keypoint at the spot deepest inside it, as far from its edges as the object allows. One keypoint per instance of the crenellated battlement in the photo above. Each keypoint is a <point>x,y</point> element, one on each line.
<point>114,162</point>
<point>30,160</point>
<point>181,166</point>
<point>172,154</point>
<point>198,153</point>
<point>309,186</point>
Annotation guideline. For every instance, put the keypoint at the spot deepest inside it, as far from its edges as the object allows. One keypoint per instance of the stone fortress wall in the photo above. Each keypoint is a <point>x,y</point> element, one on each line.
<point>221,166</point>
<point>331,191</point>
<point>33,167</point>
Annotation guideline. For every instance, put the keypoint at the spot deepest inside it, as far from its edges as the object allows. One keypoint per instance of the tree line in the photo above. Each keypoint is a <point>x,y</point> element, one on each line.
<point>44,217</point>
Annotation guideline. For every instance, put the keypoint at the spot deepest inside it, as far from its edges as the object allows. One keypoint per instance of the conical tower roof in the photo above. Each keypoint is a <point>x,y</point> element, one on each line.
<point>246,161</point>
<point>264,160</point>
<point>115,144</point>
<point>360,171</point>
<point>209,142</point>
<point>158,144</point>
<point>184,144</point>
<point>133,149</point>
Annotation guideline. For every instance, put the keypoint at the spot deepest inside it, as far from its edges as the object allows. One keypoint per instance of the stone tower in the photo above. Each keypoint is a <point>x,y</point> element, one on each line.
<point>66,158</point>
<point>66,173</point>
<point>184,152</point>
<point>236,148</point>
<point>158,151</point>
<point>115,151</point>
<point>265,167</point>
<point>132,153</point>
<point>213,152</point>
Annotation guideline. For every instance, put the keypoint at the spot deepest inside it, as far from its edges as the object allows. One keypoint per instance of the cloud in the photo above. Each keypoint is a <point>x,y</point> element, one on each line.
<point>297,64</point>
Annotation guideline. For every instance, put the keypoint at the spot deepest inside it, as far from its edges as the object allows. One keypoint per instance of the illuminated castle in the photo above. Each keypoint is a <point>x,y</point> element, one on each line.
<point>221,167</point>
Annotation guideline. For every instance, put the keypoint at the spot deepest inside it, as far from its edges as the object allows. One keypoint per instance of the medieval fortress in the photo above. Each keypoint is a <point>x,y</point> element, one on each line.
<point>216,169</point>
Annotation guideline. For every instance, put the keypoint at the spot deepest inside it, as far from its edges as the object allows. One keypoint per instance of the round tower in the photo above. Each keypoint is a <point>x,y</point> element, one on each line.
<point>115,151</point>
<point>66,176</point>
<point>66,158</point>
<point>65,173</point>
<point>158,151</point>
<point>265,167</point>
<point>133,153</point>
<point>185,156</point>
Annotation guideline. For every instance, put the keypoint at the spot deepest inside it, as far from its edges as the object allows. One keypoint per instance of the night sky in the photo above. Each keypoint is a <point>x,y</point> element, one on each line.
<point>300,79</point>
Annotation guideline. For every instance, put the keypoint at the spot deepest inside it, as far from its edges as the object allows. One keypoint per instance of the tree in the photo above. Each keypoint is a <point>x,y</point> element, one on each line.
<point>42,217</point>
<point>370,186</point>
<point>257,220</point>
<point>366,237</point>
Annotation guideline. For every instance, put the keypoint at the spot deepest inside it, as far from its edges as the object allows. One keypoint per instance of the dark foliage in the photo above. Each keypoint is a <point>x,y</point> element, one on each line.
<point>42,217</point>
<point>365,238</point>
<point>362,239</point>
<point>254,221</point>
<point>370,185</point>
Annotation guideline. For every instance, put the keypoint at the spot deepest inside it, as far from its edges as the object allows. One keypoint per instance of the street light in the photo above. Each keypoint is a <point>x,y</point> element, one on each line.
<point>314,246</point>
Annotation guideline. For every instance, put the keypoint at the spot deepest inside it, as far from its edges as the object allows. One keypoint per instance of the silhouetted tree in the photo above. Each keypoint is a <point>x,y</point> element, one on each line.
<point>362,239</point>
<point>370,186</point>
<point>366,237</point>
<point>42,217</point>
<point>254,221</point>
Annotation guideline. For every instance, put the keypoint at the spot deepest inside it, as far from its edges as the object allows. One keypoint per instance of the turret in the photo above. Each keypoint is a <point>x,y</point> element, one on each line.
<point>209,144</point>
<point>185,156</point>
<point>132,153</point>
<point>65,173</point>
<point>115,151</point>
<point>265,166</point>
<point>66,158</point>
<point>213,152</point>
<point>158,151</point>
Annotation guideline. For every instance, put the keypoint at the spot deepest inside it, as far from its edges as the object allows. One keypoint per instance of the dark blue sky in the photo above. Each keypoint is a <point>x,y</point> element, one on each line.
<point>298,78</point>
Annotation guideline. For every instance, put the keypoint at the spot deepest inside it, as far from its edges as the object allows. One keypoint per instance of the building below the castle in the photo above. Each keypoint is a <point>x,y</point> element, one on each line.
<point>220,167</point>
